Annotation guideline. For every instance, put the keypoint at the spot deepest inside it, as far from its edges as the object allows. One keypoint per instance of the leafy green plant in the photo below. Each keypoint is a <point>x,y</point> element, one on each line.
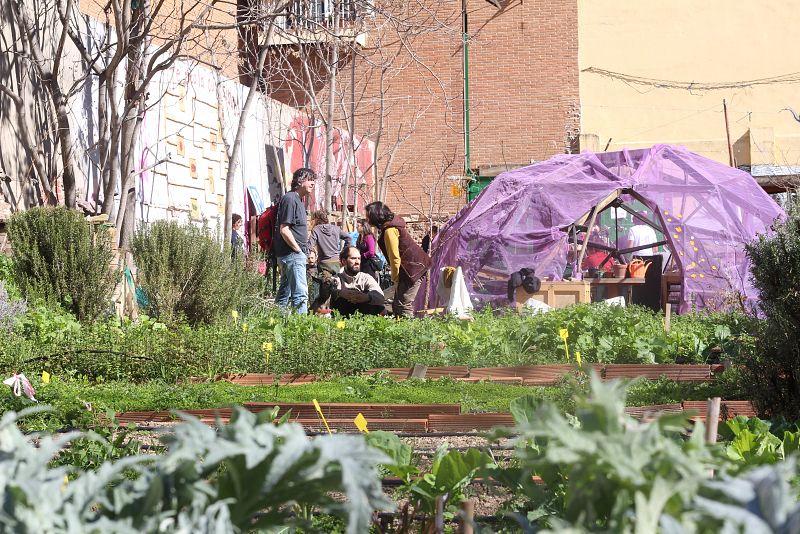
<point>62,259</point>
<point>750,442</point>
<point>186,273</point>
<point>450,473</point>
<point>603,471</point>
<point>247,475</point>
<point>7,277</point>
<point>102,444</point>
<point>148,349</point>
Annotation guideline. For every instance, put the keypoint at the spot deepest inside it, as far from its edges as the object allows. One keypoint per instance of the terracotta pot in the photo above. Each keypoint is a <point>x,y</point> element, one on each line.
<point>620,270</point>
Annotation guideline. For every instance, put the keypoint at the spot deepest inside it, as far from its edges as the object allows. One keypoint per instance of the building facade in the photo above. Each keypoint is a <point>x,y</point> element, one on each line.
<point>716,77</point>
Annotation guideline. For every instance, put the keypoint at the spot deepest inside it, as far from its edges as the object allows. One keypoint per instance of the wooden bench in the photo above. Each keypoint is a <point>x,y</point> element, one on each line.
<point>392,424</point>
<point>337,410</point>
<point>649,412</point>
<point>677,372</point>
<point>727,410</point>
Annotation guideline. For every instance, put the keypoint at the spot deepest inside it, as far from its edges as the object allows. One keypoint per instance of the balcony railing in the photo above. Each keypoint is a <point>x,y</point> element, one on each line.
<point>318,14</point>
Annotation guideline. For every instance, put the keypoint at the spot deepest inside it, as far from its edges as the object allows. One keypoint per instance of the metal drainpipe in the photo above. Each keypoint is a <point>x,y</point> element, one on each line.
<point>465,43</point>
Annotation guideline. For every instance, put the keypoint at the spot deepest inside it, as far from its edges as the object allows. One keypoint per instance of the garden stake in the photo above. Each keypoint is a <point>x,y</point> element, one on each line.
<point>45,377</point>
<point>361,423</point>
<point>564,334</point>
<point>712,420</point>
<point>467,516</point>
<point>438,522</point>
<point>319,410</point>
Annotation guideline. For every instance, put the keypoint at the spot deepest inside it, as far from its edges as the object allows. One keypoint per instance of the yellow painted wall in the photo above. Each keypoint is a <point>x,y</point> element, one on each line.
<point>706,42</point>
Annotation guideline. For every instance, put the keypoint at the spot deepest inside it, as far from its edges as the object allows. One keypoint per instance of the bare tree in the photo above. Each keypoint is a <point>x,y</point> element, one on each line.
<point>42,68</point>
<point>376,42</point>
<point>129,48</point>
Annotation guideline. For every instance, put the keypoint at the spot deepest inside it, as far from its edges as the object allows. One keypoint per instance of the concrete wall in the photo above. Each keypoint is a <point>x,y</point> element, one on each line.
<point>657,72</point>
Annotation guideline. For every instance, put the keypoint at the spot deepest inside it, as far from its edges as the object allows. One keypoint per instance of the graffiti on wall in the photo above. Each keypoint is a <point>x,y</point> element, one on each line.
<point>353,156</point>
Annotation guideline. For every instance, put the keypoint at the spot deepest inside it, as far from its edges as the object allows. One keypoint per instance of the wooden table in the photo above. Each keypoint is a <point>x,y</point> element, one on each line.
<point>616,286</point>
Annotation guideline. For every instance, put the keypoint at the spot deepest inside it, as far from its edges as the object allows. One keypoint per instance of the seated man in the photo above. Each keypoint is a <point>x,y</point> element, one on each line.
<point>351,291</point>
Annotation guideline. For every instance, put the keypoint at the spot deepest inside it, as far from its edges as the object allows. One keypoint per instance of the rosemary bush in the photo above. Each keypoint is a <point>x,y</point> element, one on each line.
<point>186,273</point>
<point>62,259</point>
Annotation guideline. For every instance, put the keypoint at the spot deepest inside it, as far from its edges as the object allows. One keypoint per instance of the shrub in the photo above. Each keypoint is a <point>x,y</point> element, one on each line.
<point>62,259</point>
<point>772,373</point>
<point>186,273</point>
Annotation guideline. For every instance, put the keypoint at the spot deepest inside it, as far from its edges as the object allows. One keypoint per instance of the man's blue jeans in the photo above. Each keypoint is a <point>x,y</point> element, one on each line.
<point>293,285</point>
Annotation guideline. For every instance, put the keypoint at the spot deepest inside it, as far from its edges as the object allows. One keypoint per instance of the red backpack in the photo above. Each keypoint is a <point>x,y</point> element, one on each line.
<point>265,228</point>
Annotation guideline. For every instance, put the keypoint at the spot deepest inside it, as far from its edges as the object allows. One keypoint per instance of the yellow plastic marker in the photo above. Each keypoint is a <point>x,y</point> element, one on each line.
<point>45,377</point>
<point>564,334</point>
<point>361,423</point>
<point>319,410</point>
<point>578,357</point>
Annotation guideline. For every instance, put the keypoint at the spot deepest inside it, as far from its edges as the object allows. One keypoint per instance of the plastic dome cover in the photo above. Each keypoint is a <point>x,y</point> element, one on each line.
<point>708,211</point>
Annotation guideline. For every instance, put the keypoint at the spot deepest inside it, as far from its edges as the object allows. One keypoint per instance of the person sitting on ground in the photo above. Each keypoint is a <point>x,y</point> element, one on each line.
<point>351,291</point>
<point>325,238</point>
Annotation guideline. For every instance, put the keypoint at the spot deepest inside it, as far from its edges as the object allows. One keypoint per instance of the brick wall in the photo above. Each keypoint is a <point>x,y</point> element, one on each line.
<point>523,92</point>
<point>523,68</point>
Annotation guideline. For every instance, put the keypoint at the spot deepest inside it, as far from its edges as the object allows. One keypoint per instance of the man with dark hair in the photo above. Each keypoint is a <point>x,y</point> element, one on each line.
<point>291,242</point>
<point>351,291</point>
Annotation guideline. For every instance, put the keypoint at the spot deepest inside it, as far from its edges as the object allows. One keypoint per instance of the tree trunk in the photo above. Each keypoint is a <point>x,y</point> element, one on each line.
<point>236,149</point>
<point>329,125</point>
<point>131,123</point>
<point>111,170</point>
<point>28,143</point>
<point>49,78</point>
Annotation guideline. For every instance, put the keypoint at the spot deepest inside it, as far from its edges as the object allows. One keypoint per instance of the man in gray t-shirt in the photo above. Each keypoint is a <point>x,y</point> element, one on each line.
<point>291,242</point>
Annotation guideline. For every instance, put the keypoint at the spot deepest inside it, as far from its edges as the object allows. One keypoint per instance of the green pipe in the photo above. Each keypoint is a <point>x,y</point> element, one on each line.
<point>465,43</point>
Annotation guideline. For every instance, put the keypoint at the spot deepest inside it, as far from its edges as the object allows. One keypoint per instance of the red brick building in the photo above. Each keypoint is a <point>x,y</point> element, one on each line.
<point>523,94</point>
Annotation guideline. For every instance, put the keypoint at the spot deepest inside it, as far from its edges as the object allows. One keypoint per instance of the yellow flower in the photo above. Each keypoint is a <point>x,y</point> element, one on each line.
<point>244,327</point>
<point>340,325</point>
<point>45,377</point>
<point>578,357</point>
<point>563,333</point>
<point>266,346</point>
<point>235,315</point>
